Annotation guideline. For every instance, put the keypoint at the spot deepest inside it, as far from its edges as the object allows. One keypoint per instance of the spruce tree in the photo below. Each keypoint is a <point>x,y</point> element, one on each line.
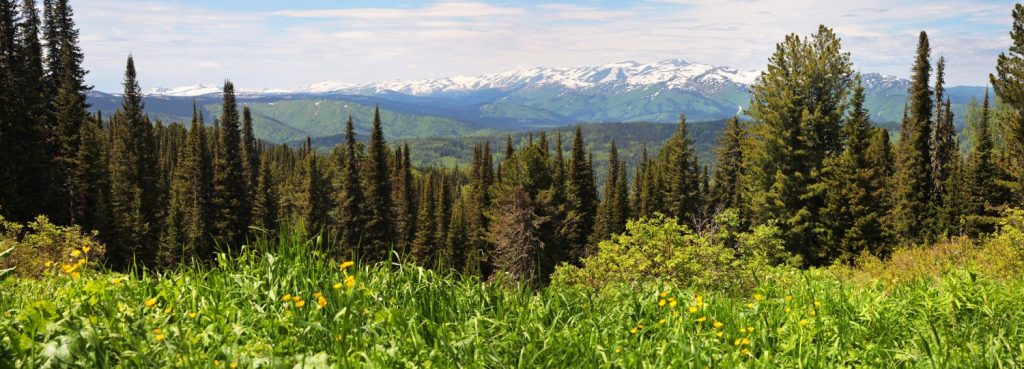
<point>265,208</point>
<point>458,235</point>
<point>1008,83</point>
<point>424,248</point>
<point>92,185</point>
<point>911,217</point>
<point>581,196</point>
<point>725,191</point>
<point>133,177</point>
<point>611,217</point>
<point>351,221</point>
<point>230,180</point>
<point>404,197</point>
<point>852,212</point>
<point>250,164</point>
<point>797,109</point>
<point>442,219</point>
<point>681,179</point>
<point>316,194</point>
<point>981,174</point>
<point>379,232</point>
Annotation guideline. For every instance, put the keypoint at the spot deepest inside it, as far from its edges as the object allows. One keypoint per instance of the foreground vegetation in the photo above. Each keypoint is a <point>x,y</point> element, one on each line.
<point>279,305</point>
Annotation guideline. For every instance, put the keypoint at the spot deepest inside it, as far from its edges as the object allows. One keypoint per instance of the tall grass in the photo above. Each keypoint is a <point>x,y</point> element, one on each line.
<point>398,315</point>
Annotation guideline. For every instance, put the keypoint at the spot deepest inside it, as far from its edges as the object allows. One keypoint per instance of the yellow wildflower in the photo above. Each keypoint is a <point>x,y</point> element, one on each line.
<point>664,294</point>
<point>743,330</point>
<point>321,302</point>
<point>75,253</point>
<point>167,310</point>
<point>346,264</point>
<point>192,315</point>
<point>661,302</point>
<point>803,322</point>
<point>150,302</point>
<point>618,350</point>
<point>337,285</point>
<point>750,305</point>
<point>75,275</point>
<point>672,302</point>
<point>117,281</point>
<point>719,334</point>
<point>692,309</point>
<point>699,300</point>
<point>85,249</point>
<point>662,321</point>
<point>233,365</point>
<point>48,264</point>
<point>813,313</point>
<point>702,319</point>
<point>718,324</point>
<point>788,309</point>
<point>750,329</point>
<point>817,303</point>
<point>789,298</point>
<point>317,294</point>
<point>350,281</point>
<point>286,297</point>
<point>633,331</point>
<point>758,297</point>
<point>158,330</point>
<point>746,341</point>
<point>216,362</point>
<point>746,352</point>
<point>299,303</point>
<point>158,337</point>
<point>737,342</point>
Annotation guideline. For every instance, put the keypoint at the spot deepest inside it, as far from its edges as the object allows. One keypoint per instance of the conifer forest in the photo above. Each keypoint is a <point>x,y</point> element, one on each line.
<point>802,231</point>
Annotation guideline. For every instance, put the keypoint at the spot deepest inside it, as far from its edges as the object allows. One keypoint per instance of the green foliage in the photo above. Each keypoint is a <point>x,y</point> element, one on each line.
<point>660,249</point>
<point>39,247</point>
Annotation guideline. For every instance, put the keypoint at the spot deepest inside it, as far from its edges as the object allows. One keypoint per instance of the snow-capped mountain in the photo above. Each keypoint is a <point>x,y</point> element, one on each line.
<point>623,76</point>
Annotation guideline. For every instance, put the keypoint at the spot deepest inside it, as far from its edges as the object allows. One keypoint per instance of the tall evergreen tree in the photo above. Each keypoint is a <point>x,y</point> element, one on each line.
<point>133,178</point>
<point>681,175</point>
<point>265,208</point>
<point>351,221</point>
<point>316,194</point>
<point>424,248</point>
<point>725,190</point>
<point>250,164</point>
<point>379,232</point>
<point>230,179</point>
<point>981,172</point>
<point>797,109</point>
<point>92,183</point>
<point>852,212</point>
<point>1008,83</point>
<point>911,216</point>
<point>581,196</point>
<point>442,219</point>
<point>404,198</point>
<point>611,215</point>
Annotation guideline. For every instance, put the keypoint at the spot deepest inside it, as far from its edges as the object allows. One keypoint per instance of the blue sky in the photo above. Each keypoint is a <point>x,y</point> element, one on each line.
<point>286,44</point>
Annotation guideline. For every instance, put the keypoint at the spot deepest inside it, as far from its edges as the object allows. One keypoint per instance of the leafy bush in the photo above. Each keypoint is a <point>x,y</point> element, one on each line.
<point>999,256</point>
<point>40,247</point>
<point>659,249</point>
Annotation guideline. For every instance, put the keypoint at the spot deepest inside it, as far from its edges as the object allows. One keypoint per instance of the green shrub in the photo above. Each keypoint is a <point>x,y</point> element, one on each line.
<point>42,247</point>
<point>659,249</point>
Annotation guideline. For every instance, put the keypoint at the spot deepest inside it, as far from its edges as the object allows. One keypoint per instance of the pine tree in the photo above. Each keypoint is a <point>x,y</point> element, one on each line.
<point>265,208</point>
<point>611,216</point>
<point>581,196</point>
<point>442,219</point>
<point>681,186</point>
<point>424,248</point>
<point>92,185</point>
<point>316,193</point>
<point>250,165</point>
<point>797,110</point>
<point>912,190</point>
<point>458,235</point>
<point>981,172</point>
<point>351,221</point>
<point>852,212</point>
<point>379,232</point>
<point>230,180</point>
<point>404,198</point>
<point>133,178</point>
<point>1008,83</point>
<point>725,191</point>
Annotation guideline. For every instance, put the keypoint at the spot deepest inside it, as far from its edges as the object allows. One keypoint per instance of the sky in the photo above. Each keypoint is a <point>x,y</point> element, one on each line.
<point>287,44</point>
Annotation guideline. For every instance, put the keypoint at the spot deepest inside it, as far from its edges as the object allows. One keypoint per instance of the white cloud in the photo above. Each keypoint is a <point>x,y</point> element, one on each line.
<point>287,48</point>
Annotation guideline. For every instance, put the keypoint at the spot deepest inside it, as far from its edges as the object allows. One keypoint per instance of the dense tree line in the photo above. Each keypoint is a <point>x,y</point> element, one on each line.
<point>808,161</point>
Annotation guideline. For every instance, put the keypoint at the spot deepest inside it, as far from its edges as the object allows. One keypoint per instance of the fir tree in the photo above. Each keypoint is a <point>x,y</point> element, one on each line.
<point>250,165</point>
<point>316,193</point>
<point>350,219</point>
<point>581,196</point>
<point>681,186</point>
<point>442,219</point>
<point>797,109</point>
<point>379,232</point>
<point>725,191</point>
<point>265,208</point>
<point>230,180</point>
<point>1008,83</point>
<point>913,184</point>
<point>981,172</point>
<point>424,248</point>
<point>404,197</point>
<point>133,178</point>
<point>92,185</point>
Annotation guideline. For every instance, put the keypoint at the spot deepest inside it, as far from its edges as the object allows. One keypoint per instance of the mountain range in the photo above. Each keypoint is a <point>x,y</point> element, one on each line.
<point>516,100</point>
